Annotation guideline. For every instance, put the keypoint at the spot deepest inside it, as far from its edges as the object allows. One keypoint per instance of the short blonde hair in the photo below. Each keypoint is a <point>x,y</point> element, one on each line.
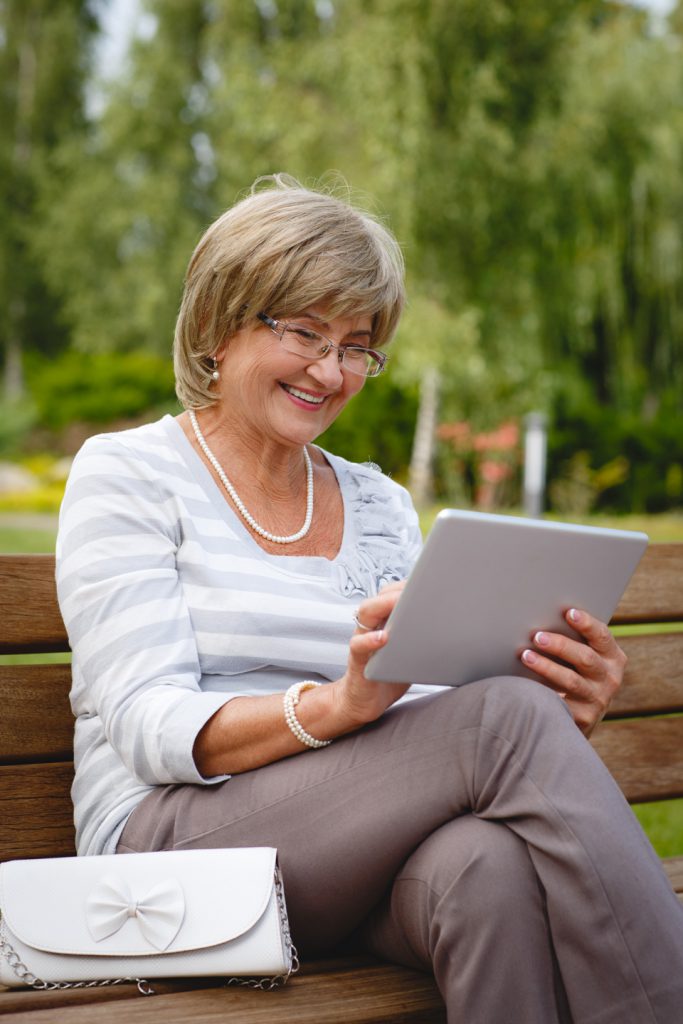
<point>280,250</point>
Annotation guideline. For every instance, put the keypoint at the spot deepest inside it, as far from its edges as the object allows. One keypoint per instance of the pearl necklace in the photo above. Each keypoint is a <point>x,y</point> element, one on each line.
<point>239,504</point>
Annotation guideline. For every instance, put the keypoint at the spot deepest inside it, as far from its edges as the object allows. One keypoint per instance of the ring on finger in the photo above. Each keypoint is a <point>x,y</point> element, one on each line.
<point>361,625</point>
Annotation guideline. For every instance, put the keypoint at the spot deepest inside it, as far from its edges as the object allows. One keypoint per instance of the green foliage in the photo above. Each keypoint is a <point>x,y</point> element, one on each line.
<point>122,206</point>
<point>25,539</point>
<point>44,500</point>
<point>377,426</point>
<point>16,419</point>
<point>663,823</point>
<point>100,388</point>
<point>615,461</point>
<point>529,157</point>
<point>577,490</point>
<point>47,476</point>
<point>609,249</point>
<point>43,63</point>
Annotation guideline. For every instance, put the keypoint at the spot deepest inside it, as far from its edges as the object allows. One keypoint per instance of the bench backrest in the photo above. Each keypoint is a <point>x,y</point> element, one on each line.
<point>641,743</point>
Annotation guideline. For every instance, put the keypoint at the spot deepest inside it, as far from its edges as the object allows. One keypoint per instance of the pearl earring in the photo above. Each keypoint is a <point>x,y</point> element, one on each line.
<point>215,375</point>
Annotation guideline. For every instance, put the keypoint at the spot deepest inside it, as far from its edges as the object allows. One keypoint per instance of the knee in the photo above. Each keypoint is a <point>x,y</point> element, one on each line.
<point>474,863</point>
<point>517,696</point>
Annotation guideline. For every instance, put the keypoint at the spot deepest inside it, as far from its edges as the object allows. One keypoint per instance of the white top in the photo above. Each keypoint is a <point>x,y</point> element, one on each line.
<point>172,608</point>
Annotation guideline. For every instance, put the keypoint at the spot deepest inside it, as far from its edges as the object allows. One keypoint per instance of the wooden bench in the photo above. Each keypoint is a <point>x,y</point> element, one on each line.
<point>642,744</point>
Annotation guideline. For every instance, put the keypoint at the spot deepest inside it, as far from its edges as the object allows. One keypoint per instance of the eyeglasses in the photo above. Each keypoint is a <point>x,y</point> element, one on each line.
<point>302,341</point>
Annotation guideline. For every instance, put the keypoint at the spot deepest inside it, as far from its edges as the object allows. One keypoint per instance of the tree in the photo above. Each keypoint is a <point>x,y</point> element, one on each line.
<point>122,207</point>
<point>209,104</point>
<point>483,75</point>
<point>609,250</point>
<point>527,156</point>
<point>43,64</point>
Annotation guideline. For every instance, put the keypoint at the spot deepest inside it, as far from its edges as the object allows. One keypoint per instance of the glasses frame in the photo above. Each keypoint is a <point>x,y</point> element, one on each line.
<point>278,327</point>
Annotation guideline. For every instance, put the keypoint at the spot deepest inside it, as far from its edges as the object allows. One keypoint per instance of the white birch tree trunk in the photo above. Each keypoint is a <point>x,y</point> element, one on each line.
<point>421,478</point>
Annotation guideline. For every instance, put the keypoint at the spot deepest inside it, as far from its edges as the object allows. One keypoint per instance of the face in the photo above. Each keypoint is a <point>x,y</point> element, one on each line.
<point>282,397</point>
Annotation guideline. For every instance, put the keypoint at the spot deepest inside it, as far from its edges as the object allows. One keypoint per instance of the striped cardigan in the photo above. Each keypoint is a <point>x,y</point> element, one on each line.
<point>172,609</point>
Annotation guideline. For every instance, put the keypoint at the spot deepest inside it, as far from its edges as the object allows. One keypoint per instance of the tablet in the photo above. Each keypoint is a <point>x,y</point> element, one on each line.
<point>484,584</point>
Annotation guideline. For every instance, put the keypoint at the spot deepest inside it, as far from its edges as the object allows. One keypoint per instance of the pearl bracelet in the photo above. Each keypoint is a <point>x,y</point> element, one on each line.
<point>291,700</point>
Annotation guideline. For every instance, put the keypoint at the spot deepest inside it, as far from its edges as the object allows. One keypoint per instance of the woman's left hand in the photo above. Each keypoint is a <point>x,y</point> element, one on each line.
<point>593,670</point>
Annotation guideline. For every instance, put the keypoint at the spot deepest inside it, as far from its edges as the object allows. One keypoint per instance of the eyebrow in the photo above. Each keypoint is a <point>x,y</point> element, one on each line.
<point>324,324</point>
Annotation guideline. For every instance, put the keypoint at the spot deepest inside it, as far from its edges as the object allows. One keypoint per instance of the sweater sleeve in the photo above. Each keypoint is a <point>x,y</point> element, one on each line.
<point>136,665</point>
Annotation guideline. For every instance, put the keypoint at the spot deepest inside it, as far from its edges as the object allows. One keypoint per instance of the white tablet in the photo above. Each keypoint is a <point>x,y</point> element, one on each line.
<point>484,584</point>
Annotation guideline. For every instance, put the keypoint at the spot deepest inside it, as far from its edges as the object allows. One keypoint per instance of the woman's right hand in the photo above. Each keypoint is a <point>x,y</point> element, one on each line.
<point>249,732</point>
<point>359,700</point>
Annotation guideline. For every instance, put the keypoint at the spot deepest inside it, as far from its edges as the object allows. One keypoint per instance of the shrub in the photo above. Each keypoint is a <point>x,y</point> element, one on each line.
<point>99,388</point>
<point>598,441</point>
<point>377,426</point>
<point>16,420</point>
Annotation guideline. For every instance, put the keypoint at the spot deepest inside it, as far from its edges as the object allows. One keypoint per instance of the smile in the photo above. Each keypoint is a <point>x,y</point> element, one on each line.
<point>303,396</point>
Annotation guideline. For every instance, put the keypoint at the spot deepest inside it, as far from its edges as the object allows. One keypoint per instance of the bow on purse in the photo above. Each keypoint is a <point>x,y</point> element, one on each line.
<point>159,913</point>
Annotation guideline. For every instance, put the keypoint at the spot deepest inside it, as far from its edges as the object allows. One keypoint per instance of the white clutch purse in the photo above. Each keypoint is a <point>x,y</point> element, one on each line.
<point>101,920</point>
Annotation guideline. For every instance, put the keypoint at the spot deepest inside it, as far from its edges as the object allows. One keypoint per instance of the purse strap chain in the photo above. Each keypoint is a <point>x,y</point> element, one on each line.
<point>27,976</point>
<point>267,984</point>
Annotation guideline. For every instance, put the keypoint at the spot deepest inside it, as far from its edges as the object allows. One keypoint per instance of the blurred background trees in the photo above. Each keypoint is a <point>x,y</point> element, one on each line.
<point>529,157</point>
<point>44,61</point>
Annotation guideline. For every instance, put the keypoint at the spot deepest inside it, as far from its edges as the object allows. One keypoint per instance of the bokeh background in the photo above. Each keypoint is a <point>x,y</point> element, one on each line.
<point>527,153</point>
<point>529,156</point>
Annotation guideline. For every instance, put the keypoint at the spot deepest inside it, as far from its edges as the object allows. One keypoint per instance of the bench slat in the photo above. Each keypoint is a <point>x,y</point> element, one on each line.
<point>655,593</point>
<point>368,994</point>
<point>674,869</point>
<point>24,999</point>
<point>645,756</point>
<point>36,722</point>
<point>21,1000</point>
<point>35,811</point>
<point>28,605</point>
<point>653,683</point>
<point>31,620</point>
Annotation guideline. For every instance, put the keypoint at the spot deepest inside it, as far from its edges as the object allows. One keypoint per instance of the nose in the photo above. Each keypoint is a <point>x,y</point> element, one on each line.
<point>327,371</point>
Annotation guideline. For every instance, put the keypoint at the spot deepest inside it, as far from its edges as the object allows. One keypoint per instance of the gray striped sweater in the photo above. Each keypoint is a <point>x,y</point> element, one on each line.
<point>172,609</point>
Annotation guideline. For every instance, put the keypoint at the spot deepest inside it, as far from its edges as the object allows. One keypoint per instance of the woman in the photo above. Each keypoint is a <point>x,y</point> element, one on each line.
<point>209,570</point>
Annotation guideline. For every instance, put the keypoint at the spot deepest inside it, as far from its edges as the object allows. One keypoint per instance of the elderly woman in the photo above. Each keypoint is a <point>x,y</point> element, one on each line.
<point>209,570</point>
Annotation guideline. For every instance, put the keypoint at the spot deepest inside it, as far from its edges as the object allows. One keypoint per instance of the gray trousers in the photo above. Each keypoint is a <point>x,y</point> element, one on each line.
<point>474,833</point>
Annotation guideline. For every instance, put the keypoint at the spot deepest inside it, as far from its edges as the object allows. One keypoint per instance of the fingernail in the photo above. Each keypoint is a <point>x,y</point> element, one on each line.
<point>574,615</point>
<point>542,639</point>
<point>528,657</point>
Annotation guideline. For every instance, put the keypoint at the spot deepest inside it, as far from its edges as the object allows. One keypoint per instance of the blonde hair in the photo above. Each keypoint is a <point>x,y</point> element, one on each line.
<point>280,250</point>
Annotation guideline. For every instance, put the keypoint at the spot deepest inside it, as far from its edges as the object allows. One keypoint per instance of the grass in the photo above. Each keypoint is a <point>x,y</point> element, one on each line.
<point>21,539</point>
<point>665,527</point>
<point>18,534</point>
<point>663,822</point>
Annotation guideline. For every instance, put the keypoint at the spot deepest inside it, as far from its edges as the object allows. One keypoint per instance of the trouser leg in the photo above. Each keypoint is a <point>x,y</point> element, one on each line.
<point>346,818</point>
<point>468,903</point>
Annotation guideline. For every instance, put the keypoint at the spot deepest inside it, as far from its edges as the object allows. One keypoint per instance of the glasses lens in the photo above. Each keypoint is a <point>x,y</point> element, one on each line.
<point>362,360</point>
<point>303,341</point>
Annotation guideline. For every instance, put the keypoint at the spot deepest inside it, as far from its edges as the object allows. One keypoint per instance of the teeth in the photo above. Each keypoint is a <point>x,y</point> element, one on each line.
<point>303,395</point>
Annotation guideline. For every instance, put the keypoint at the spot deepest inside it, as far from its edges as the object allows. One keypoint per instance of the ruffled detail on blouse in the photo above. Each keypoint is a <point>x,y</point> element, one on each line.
<point>386,532</point>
